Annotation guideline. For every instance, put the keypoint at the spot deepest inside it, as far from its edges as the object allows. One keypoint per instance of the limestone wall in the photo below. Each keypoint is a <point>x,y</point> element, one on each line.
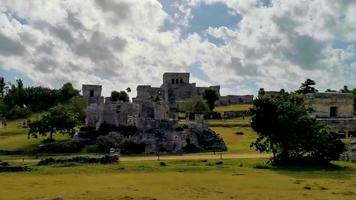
<point>323,103</point>
<point>175,78</point>
<point>92,93</point>
<point>234,99</point>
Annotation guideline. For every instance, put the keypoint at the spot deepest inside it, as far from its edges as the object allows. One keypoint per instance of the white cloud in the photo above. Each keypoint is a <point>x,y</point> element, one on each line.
<point>122,43</point>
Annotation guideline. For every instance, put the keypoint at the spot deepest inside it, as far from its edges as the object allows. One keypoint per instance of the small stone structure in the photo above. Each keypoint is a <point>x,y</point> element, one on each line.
<point>334,109</point>
<point>176,88</point>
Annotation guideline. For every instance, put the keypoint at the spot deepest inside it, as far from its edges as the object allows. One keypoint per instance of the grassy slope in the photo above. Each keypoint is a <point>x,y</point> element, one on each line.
<point>13,137</point>
<point>228,129</point>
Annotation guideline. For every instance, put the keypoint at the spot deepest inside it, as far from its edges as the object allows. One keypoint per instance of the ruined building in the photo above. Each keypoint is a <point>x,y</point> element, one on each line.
<point>176,88</point>
<point>154,129</point>
<point>145,114</point>
<point>334,109</point>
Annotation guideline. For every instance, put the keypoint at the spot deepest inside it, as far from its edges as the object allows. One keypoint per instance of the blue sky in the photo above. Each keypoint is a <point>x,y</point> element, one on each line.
<point>240,45</point>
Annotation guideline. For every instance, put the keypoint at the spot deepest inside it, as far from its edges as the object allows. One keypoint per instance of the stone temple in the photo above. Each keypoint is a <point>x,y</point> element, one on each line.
<point>153,126</point>
<point>334,109</point>
<point>176,87</point>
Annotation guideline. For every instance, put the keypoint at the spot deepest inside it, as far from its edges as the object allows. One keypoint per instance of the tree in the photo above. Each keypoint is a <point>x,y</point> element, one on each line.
<point>119,96</point>
<point>58,120</point>
<point>128,90</point>
<point>307,87</point>
<point>2,87</point>
<point>67,92</point>
<point>286,129</point>
<point>194,106</point>
<point>345,89</point>
<point>77,105</point>
<point>261,91</point>
<point>210,95</point>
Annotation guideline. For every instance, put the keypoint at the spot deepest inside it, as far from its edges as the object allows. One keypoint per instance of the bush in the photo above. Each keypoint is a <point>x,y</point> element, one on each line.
<point>130,147</point>
<point>87,160</point>
<point>61,147</point>
<point>213,115</point>
<point>17,113</point>
<point>105,143</point>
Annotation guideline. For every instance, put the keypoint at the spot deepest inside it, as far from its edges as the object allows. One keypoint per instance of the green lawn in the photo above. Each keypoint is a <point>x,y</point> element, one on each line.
<point>199,179</point>
<point>239,107</point>
<point>13,137</point>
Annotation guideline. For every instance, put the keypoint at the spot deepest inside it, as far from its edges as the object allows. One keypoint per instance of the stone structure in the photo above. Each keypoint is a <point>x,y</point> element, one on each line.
<point>153,128</point>
<point>234,99</point>
<point>334,109</point>
<point>93,94</point>
<point>175,88</point>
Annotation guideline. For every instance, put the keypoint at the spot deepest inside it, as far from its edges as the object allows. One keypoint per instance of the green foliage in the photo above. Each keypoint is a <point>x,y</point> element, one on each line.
<point>60,147</point>
<point>128,146</point>
<point>67,92</point>
<point>261,91</point>
<point>2,87</point>
<point>194,105</point>
<point>285,128</point>
<point>307,87</point>
<point>58,120</point>
<point>154,98</point>
<point>77,105</point>
<point>32,99</point>
<point>119,96</point>
<point>210,95</point>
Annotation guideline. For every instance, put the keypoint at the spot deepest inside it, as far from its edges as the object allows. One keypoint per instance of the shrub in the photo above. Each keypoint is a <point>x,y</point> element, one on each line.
<point>105,143</point>
<point>61,147</point>
<point>130,147</point>
<point>17,113</point>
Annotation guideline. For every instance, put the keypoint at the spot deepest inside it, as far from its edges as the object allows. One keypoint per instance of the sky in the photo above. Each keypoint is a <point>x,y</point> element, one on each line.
<point>242,45</point>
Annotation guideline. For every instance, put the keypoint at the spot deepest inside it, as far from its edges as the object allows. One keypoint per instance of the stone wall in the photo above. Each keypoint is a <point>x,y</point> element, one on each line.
<point>144,93</point>
<point>234,99</point>
<point>324,103</point>
<point>93,93</point>
<point>175,78</point>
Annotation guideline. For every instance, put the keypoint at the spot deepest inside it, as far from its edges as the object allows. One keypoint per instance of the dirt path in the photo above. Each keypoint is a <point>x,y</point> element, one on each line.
<point>196,156</point>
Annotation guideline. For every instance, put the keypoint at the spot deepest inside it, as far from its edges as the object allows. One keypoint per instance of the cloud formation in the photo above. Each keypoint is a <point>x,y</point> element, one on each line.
<point>123,43</point>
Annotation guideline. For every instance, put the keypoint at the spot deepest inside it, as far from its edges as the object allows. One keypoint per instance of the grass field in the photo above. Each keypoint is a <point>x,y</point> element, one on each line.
<point>199,179</point>
<point>237,133</point>
<point>14,138</point>
<point>193,176</point>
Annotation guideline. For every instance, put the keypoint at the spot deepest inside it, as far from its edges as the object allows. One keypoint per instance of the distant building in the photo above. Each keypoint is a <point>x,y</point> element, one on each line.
<point>334,109</point>
<point>177,88</point>
<point>145,114</point>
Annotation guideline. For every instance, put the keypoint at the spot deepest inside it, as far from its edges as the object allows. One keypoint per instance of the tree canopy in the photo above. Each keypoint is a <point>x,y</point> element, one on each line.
<point>286,129</point>
<point>211,96</point>
<point>19,101</point>
<point>307,87</point>
<point>194,105</point>
<point>119,96</point>
<point>58,120</point>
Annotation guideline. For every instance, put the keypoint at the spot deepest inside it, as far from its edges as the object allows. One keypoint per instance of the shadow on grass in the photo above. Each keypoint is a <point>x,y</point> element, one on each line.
<point>332,171</point>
